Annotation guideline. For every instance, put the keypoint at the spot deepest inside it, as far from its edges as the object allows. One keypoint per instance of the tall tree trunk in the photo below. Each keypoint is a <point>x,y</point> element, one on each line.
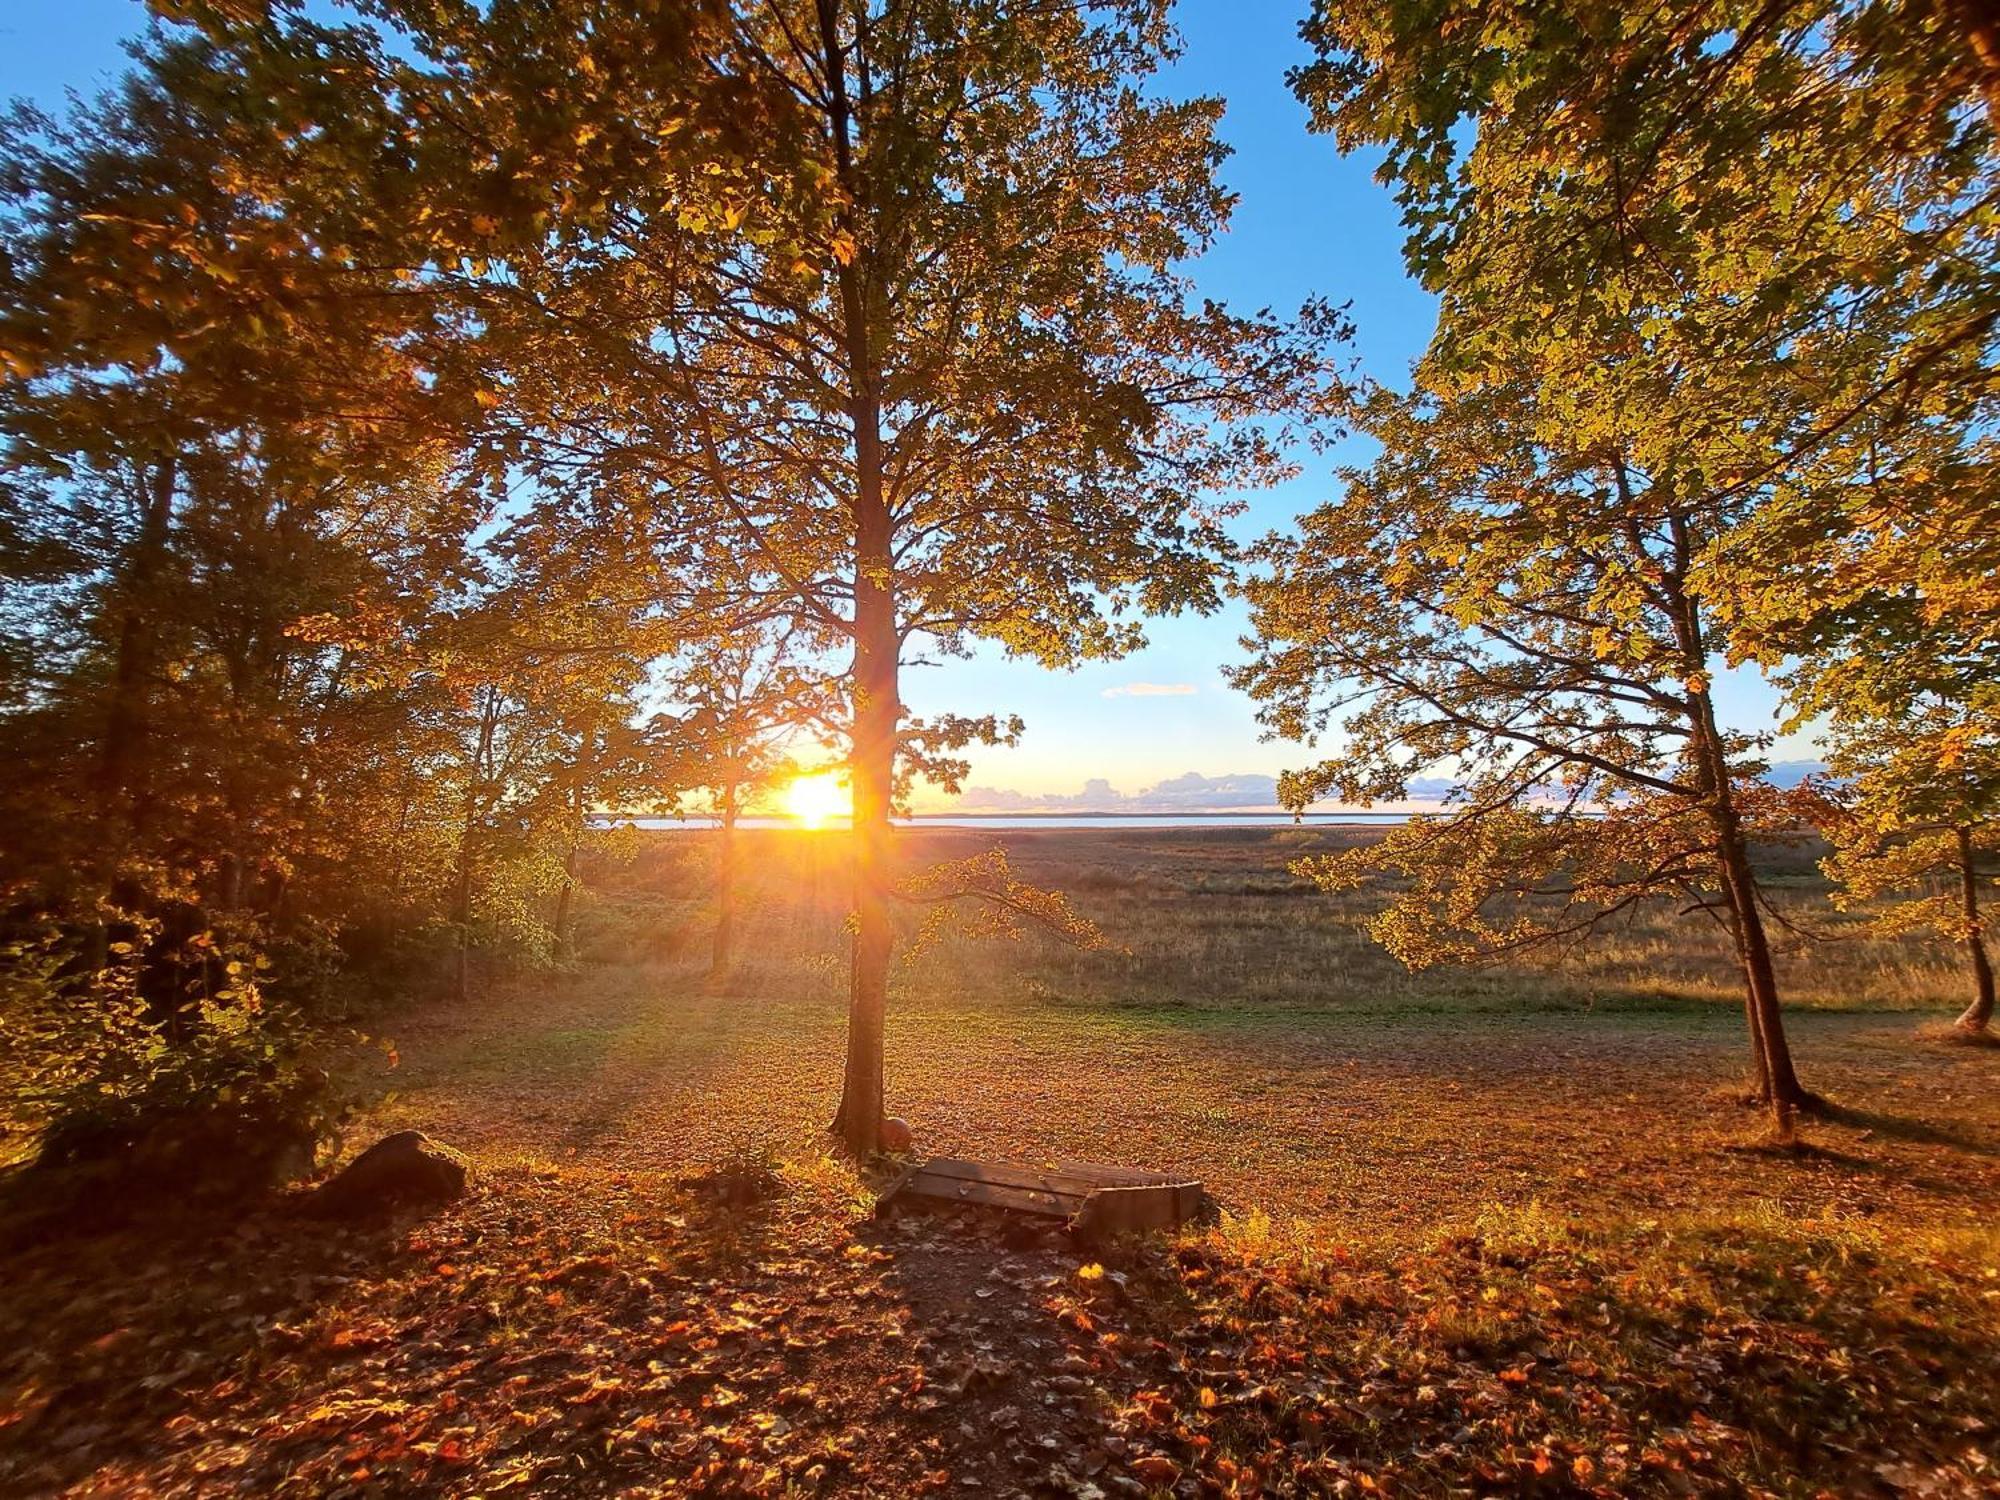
<point>1777,1083</point>
<point>127,719</point>
<point>122,800</point>
<point>565,897</point>
<point>873,768</point>
<point>1760,1087</point>
<point>1978,1015</point>
<point>565,913</point>
<point>461,900</point>
<point>877,708</point>
<point>232,861</point>
<point>725,882</point>
<point>461,921</point>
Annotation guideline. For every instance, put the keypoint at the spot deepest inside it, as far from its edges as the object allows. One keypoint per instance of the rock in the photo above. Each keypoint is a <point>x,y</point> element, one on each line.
<point>896,1135</point>
<point>407,1167</point>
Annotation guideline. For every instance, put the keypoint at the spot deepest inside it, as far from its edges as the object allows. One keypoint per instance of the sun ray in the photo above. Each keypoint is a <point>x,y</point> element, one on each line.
<point>814,800</point>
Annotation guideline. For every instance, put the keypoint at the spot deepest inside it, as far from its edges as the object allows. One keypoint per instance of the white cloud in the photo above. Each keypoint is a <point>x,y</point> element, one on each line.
<point>1151,690</point>
<point>1194,793</point>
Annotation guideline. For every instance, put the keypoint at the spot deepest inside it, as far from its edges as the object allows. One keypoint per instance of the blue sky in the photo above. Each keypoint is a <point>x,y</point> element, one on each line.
<point>1309,222</point>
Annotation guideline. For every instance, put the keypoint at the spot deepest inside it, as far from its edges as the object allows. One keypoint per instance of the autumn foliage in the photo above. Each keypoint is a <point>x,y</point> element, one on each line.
<point>434,430</point>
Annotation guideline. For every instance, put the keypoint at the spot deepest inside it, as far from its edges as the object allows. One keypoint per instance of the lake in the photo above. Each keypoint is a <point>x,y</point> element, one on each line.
<point>1042,820</point>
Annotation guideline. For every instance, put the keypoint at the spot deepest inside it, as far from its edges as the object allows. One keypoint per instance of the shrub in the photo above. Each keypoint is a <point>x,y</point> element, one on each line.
<point>219,1094</point>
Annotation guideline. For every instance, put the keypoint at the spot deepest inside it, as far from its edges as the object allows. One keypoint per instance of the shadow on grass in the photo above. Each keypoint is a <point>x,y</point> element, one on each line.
<point>1917,1132</point>
<point>1012,1382</point>
<point>575,1068</point>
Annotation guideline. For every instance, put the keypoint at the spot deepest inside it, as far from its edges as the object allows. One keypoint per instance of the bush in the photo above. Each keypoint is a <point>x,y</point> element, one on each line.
<point>217,1095</point>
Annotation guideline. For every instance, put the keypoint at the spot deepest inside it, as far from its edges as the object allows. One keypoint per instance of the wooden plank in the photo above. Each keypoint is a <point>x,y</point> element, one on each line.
<point>1134,1209</point>
<point>1095,1199</point>
<point>1105,1176</point>
<point>990,1195</point>
<point>1007,1174</point>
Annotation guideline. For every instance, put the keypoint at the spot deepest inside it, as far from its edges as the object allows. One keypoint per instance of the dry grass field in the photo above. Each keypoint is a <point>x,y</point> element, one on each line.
<point>1498,1232</point>
<point>1240,1025</point>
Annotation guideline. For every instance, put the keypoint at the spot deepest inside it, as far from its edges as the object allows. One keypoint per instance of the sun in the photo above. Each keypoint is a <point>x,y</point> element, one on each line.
<point>816,800</point>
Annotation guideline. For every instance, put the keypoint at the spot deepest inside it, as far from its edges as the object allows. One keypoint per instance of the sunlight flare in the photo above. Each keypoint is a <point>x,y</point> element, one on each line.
<point>818,799</point>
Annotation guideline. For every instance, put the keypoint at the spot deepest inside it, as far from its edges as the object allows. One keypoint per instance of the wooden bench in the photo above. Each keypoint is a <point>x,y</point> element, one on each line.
<point>1091,1200</point>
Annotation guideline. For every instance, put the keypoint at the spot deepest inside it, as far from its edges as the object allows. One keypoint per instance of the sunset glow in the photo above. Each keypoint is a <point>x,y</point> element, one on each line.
<point>816,800</point>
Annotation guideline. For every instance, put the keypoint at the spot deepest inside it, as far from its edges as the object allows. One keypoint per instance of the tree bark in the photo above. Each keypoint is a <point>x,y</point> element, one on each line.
<point>121,777</point>
<point>126,721</point>
<point>565,899</point>
<point>1978,1016</point>
<point>876,710</point>
<point>1760,1089</point>
<point>1776,1082</point>
<point>461,921</point>
<point>565,913</point>
<point>875,689</point>
<point>725,883</point>
<point>461,902</point>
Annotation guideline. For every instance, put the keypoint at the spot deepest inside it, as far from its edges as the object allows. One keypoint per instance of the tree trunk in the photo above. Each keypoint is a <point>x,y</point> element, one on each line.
<point>242,669</point>
<point>1978,1016</point>
<point>461,901</point>
<point>126,720</point>
<point>872,772</point>
<point>565,914</point>
<point>725,883</point>
<point>1760,1089</point>
<point>876,708</point>
<point>565,898</point>
<point>1778,1082</point>
<point>122,801</point>
<point>461,921</point>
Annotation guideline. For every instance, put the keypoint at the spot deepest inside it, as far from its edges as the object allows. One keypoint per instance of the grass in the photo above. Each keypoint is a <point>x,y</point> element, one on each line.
<point>1483,1233</point>
<point>1251,1033</point>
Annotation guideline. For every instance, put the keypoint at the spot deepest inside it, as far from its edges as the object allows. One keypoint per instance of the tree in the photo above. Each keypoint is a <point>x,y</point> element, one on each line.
<point>962,394</point>
<point>1913,815</point>
<point>219,430</point>
<point>232,494</point>
<point>1746,249</point>
<point>1502,599</point>
<point>744,700</point>
<point>1759,238</point>
<point>1888,630</point>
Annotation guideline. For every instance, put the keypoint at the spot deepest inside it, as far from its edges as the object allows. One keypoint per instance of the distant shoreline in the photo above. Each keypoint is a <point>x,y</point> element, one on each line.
<point>1028,820</point>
